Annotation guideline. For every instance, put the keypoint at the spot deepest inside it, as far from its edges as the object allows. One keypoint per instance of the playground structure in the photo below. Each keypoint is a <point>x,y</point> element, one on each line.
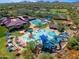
<point>51,45</point>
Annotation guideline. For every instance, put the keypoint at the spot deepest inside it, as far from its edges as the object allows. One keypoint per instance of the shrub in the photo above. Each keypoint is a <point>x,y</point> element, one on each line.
<point>27,54</point>
<point>26,26</point>
<point>31,46</point>
<point>45,56</point>
<point>59,56</point>
<point>61,28</point>
<point>77,57</point>
<point>2,30</point>
<point>73,44</point>
<point>41,26</point>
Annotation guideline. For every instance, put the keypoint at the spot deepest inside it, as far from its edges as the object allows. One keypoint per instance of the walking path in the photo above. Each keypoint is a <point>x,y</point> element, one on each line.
<point>14,43</point>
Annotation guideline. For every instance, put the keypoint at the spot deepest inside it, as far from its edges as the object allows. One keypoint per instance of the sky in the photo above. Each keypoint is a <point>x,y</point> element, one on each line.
<point>8,1</point>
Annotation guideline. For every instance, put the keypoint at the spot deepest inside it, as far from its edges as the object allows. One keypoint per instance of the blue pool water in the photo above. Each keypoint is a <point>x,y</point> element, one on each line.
<point>53,34</point>
<point>43,22</point>
<point>38,21</point>
<point>38,34</point>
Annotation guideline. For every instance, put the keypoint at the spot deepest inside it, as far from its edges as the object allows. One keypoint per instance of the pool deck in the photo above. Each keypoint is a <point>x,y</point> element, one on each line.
<point>47,28</point>
<point>16,45</point>
<point>34,29</point>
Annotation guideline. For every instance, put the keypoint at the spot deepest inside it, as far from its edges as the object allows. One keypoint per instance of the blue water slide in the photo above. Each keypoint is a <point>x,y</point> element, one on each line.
<point>43,38</point>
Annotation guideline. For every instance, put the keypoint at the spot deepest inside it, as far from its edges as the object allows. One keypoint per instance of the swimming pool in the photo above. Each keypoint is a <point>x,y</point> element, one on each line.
<point>38,21</point>
<point>37,34</point>
<point>53,34</point>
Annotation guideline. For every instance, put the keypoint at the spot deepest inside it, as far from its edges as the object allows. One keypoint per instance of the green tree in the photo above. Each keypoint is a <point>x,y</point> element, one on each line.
<point>61,28</point>
<point>28,53</point>
<point>26,26</point>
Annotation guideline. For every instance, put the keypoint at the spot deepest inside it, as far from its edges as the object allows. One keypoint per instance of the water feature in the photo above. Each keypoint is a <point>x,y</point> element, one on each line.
<point>38,21</point>
<point>37,34</point>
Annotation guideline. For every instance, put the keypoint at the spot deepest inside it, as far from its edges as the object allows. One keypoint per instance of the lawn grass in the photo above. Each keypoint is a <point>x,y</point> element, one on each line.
<point>76,20</point>
<point>15,33</point>
<point>62,10</point>
<point>58,21</point>
<point>4,51</point>
<point>2,30</point>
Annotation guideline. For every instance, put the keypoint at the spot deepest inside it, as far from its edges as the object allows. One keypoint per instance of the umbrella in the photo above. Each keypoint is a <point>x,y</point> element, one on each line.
<point>30,30</point>
<point>48,18</point>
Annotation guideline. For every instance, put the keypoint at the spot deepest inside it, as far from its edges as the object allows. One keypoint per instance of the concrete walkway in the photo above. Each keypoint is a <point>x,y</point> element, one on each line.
<point>17,46</point>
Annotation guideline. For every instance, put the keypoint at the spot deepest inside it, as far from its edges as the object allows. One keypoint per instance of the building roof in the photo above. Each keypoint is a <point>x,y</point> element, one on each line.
<point>31,18</point>
<point>53,25</point>
<point>60,18</point>
<point>68,22</point>
<point>0,21</point>
<point>13,22</point>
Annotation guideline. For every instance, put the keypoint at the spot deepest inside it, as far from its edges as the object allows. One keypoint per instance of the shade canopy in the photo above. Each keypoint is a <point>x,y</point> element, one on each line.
<point>7,33</point>
<point>48,18</point>
<point>53,26</point>
<point>30,30</point>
